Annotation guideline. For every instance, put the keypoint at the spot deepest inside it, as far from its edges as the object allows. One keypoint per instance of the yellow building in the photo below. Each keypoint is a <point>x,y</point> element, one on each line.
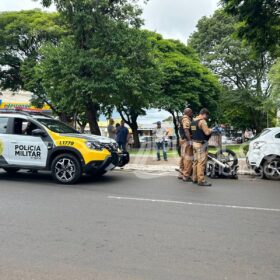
<point>19,100</point>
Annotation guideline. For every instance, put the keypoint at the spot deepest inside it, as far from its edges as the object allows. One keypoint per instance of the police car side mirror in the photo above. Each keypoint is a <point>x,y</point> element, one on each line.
<point>38,133</point>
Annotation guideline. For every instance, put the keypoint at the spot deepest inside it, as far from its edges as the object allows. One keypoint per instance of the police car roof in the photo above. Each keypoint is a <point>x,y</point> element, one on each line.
<point>16,114</point>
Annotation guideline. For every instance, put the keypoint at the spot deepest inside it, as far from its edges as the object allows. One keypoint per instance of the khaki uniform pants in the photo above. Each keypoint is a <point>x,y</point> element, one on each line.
<point>186,162</point>
<point>200,160</point>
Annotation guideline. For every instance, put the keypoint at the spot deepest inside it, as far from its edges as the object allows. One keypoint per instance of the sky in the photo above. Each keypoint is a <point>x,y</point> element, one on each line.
<point>174,19</point>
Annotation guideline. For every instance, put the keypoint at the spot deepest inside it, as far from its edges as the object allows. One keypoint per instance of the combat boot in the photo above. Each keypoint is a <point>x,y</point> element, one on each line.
<point>204,184</point>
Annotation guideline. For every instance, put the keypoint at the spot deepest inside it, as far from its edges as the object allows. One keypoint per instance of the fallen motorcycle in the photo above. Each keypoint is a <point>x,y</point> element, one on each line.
<point>223,164</point>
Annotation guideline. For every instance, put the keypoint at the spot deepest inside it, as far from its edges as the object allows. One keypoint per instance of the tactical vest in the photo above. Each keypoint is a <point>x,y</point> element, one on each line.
<point>197,133</point>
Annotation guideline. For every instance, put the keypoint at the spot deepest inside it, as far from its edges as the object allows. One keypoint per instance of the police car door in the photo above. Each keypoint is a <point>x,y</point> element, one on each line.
<point>4,144</point>
<point>26,149</point>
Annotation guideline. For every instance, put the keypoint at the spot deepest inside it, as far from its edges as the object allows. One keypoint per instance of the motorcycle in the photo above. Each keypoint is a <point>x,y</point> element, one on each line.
<point>223,164</point>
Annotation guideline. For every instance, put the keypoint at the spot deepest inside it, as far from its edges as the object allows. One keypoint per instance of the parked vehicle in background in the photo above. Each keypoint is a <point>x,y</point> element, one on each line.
<point>239,140</point>
<point>264,154</point>
<point>226,140</point>
<point>146,140</point>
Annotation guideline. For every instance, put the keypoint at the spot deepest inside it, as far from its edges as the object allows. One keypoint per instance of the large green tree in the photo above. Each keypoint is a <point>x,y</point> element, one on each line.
<point>259,22</point>
<point>62,77</point>
<point>242,71</point>
<point>136,74</point>
<point>123,74</point>
<point>21,35</point>
<point>89,21</point>
<point>185,81</point>
<point>274,77</point>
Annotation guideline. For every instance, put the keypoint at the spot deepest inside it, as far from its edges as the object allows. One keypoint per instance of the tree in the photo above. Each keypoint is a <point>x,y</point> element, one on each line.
<point>259,22</point>
<point>274,77</point>
<point>62,73</point>
<point>89,21</point>
<point>136,75</point>
<point>21,35</point>
<point>186,82</point>
<point>242,71</point>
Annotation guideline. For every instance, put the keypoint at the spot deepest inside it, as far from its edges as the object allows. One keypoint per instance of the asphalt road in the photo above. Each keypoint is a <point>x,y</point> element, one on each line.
<point>138,226</point>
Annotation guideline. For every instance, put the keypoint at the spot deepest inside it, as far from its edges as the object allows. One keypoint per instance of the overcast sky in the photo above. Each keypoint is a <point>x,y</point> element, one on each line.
<point>173,18</point>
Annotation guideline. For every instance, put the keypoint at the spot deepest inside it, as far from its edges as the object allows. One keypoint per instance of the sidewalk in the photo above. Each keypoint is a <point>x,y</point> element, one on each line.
<point>150,163</point>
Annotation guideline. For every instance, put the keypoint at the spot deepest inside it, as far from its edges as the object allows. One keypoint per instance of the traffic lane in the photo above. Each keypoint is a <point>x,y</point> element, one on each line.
<point>247,192</point>
<point>67,232</point>
<point>149,242</point>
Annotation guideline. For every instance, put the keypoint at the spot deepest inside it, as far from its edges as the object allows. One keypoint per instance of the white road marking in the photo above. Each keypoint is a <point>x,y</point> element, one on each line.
<point>195,203</point>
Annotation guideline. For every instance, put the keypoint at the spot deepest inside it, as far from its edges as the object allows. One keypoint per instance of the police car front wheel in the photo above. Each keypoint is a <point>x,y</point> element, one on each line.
<point>66,169</point>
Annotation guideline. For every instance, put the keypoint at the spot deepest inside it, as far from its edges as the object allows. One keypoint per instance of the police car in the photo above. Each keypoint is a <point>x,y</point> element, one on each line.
<point>34,141</point>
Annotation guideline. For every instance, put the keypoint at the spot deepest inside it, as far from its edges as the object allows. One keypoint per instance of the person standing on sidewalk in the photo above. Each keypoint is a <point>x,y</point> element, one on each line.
<point>160,136</point>
<point>200,136</point>
<point>186,163</point>
<point>122,136</point>
<point>111,129</point>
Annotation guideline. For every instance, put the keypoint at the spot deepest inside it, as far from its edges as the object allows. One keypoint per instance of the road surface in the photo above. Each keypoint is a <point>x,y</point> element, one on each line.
<point>138,226</point>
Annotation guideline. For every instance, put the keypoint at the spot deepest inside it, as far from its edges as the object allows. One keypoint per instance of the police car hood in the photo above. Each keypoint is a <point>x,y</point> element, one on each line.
<point>91,137</point>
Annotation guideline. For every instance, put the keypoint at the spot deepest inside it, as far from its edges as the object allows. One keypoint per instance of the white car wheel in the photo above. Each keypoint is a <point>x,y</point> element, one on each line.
<point>272,169</point>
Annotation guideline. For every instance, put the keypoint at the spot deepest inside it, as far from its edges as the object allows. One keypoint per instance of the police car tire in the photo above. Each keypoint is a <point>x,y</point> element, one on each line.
<point>75,164</point>
<point>11,170</point>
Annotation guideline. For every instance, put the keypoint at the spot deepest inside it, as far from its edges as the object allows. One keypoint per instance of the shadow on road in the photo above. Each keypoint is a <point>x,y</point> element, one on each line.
<point>45,178</point>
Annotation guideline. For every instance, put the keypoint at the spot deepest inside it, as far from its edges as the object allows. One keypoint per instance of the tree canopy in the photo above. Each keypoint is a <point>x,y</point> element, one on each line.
<point>185,81</point>
<point>274,77</point>
<point>21,35</point>
<point>259,22</point>
<point>242,71</point>
<point>137,76</point>
<point>91,23</point>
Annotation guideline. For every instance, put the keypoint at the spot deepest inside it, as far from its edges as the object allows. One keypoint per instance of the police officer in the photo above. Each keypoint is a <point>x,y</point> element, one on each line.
<point>200,136</point>
<point>186,162</point>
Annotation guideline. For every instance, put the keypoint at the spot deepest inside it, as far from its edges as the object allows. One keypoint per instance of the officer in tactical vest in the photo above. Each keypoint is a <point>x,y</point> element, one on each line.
<point>186,163</point>
<point>200,136</point>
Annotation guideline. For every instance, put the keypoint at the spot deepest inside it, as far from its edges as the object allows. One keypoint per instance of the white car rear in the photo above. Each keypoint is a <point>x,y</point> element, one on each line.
<point>264,154</point>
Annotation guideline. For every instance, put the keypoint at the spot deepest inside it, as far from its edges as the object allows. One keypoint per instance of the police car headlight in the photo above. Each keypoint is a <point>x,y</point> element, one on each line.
<point>94,145</point>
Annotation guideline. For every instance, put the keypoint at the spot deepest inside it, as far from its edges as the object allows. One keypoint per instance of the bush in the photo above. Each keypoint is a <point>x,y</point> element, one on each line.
<point>246,148</point>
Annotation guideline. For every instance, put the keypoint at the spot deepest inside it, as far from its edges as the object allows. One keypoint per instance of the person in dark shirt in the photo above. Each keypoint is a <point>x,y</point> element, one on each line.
<point>122,136</point>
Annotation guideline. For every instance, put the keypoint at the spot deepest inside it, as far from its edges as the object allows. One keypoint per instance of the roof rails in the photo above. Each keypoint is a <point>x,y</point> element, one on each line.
<point>13,111</point>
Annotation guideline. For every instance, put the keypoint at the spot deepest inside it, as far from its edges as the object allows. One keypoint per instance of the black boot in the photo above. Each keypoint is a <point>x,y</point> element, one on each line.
<point>204,184</point>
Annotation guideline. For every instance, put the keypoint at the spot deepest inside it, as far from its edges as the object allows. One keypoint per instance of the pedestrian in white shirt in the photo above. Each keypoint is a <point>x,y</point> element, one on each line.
<point>160,137</point>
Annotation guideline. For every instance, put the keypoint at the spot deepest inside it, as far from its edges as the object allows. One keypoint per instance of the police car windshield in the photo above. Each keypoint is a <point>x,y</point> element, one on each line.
<point>57,126</point>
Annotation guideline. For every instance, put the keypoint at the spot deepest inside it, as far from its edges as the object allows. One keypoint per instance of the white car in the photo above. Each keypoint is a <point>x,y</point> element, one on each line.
<point>264,154</point>
<point>226,140</point>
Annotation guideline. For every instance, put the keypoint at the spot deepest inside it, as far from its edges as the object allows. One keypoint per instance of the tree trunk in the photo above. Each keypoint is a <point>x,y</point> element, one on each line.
<point>82,128</point>
<point>82,125</point>
<point>176,128</point>
<point>64,118</point>
<point>92,109</point>
<point>134,128</point>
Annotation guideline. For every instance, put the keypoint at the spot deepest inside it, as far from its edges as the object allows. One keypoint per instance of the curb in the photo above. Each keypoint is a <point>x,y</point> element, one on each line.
<point>169,168</point>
